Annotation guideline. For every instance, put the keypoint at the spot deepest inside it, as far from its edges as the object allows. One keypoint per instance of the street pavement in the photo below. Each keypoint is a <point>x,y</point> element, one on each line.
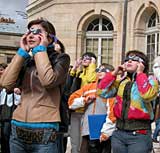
<point>156,146</point>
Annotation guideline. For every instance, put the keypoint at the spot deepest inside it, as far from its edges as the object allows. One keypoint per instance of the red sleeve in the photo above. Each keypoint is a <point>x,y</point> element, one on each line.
<point>142,83</point>
<point>106,81</point>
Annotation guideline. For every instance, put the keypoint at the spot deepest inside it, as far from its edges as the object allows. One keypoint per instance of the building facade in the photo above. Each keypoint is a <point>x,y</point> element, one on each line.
<point>108,28</point>
<point>13,21</point>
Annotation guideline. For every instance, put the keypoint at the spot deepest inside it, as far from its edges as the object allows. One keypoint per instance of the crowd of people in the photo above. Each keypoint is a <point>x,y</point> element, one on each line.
<point>123,100</point>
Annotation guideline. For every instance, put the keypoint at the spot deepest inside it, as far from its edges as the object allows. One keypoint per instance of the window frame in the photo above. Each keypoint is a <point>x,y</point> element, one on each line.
<point>150,31</point>
<point>99,35</point>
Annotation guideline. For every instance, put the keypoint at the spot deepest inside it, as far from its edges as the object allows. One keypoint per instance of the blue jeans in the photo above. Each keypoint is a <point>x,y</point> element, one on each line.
<point>157,129</point>
<point>129,142</point>
<point>17,145</point>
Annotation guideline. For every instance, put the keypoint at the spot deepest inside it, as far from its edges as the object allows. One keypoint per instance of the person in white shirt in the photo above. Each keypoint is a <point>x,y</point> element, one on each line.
<point>8,103</point>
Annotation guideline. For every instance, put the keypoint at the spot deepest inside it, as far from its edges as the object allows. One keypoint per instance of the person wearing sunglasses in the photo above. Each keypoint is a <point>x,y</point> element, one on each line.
<point>85,67</point>
<point>82,73</point>
<point>87,98</point>
<point>39,71</point>
<point>134,90</point>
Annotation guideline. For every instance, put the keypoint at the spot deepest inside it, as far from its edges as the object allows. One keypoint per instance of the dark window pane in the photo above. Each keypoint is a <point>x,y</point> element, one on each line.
<point>153,20</point>
<point>153,38</point>
<point>90,27</point>
<point>94,25</point>
<point>107,25</point>
<point>148,39</point>
<point>96,28</point>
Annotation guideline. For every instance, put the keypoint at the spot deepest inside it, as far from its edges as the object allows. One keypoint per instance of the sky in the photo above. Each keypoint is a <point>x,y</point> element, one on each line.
<point>13,4</point>
<point>16,11</point>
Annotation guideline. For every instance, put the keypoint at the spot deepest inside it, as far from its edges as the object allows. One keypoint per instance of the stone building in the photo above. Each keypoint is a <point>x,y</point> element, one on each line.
<point>106,27</point>
<point>13,21</point>
<point>9,43</point>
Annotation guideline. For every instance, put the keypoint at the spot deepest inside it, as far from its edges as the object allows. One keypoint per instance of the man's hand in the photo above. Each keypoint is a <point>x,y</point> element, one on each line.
<point>103,137</point>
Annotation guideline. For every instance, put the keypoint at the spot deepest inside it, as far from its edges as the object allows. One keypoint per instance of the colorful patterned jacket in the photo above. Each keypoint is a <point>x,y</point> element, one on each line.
<point>133,108</point>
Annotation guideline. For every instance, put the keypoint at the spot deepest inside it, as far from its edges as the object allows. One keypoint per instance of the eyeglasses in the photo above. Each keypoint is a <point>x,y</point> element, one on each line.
<point>134,58</point>
<point>98,70</point>
<point>34,31</point>
<point>86,58</point>
<point>54,38</point>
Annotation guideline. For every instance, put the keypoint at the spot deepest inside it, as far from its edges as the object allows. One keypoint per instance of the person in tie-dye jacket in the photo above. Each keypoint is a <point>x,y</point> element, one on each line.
<point>134,91</point>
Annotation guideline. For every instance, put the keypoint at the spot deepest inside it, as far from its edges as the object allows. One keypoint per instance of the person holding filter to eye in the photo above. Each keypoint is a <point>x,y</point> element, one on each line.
<point>134,93</point>
<point>35,121</point>
<point>86,98</point>
<point>83,73</point>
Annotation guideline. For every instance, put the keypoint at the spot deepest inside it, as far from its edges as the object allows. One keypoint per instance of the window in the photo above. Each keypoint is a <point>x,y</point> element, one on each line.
<point>153,20</point>
<point>152,39</point>
<point>99,40</point>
